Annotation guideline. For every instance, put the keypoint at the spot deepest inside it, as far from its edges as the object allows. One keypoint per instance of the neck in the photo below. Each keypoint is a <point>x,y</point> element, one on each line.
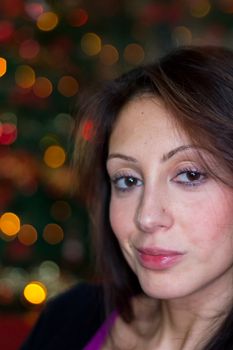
<point>183,322</point>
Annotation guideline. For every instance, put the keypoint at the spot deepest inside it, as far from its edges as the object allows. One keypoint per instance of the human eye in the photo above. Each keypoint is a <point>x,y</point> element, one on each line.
<point>123,182</point>
<point>190,177</point>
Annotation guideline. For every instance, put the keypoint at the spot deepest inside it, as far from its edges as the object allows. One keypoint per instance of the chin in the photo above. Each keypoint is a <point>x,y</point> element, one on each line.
<point>166,291</point>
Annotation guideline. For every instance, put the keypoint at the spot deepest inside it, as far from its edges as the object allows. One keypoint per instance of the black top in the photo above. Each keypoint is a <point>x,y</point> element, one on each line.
<point>68,321</point>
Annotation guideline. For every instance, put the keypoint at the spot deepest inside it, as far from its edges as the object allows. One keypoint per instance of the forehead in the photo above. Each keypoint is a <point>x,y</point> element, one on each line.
<point>146,121</point>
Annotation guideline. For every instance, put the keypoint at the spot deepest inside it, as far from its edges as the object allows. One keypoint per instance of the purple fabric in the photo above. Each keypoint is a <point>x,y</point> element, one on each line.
<point>98,339</point>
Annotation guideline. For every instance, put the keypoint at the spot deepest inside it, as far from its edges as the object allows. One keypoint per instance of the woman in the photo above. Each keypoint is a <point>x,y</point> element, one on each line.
<point>155,170</point>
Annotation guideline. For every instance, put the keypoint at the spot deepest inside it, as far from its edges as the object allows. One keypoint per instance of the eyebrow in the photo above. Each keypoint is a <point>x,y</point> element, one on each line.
<point>164,158</point>
<point>170,154</point>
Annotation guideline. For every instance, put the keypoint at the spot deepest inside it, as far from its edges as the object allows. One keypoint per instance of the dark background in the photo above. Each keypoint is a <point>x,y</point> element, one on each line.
<point>53,51</point>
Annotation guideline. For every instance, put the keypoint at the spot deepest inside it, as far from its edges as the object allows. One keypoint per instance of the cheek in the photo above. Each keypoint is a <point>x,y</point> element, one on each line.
<point>121,218</point>
<point>213,224</point>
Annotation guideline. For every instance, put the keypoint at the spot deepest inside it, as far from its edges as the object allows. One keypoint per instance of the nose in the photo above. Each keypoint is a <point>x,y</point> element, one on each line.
<point>153,212</point>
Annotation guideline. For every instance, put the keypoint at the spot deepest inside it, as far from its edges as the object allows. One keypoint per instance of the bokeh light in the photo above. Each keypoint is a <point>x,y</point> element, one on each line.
<point>91,44</point>
<point>25,76</point>
<point>60,210</point>
<point>48,140</point>
<point>49,271</point>
<point>88,130</point>
<point>27,234</point>
<point>29,49</point>
<point>3,66</point>
<point>34,9</point>
<point>182,35</point>
<point>54,156</point>
<point>47,21</point>
<point>200,8</point>
<point>64,123</point>
<point>35,292</point>
<point>53,233</point>
<point>9,224</point>
<point>6,30</point>
<point>42,87</point>
<point>78,17</point>
<point>109,55</point>
<point>8,133</point>
<point>68,86</point>
<point>134,54</point>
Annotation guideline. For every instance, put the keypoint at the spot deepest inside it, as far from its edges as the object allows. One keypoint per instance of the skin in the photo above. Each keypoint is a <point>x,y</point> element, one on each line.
<point>162,197</point>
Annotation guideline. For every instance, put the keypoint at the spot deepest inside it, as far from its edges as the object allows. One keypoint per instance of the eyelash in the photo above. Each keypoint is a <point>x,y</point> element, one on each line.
<point>116,179</point>
<point>185,171</point>
<point>196,172</point>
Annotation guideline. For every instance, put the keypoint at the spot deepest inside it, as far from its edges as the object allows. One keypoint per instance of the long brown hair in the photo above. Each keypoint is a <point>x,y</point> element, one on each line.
<point>196,85</point>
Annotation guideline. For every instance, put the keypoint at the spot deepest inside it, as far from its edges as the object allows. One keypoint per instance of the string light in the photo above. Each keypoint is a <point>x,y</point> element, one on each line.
<point>91,44</point>
<point>182,35</point>
<point>3,66</point>
<point>49,271</point>
<point>8,133</point>
<point>88,130</point>
<point>25,76</point>
<point>64,123</point>
<point>47,21</point>
<point>53,233</point>
<point>6,30</point>
<point>78,17</point>
<point>109,55</point>
<point>9,224</point>
<point>134,54</point>
<point>68,86</point>
<point>35,292</point>
<point>27,234</point>
<point>34,10</point>
<point>54,156</point>
<point>42,87</point>
<point>29,49</point>
<point>200,8</point>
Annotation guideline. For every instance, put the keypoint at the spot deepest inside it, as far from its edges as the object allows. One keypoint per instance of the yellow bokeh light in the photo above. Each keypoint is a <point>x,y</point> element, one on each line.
<point>68,86</point>
<point>91,44</point>
<point>3,66</point>
<point>109,55</point>
<point>42,87</point>
<point>53,234</point>
<point>54,156</point>
<point>134,54</point>
<point>47,21</point>
<point>35,292</point>
<point>9,224</point>
<point>25,76</point>
<point>27,235</point>
<point>200,8</point>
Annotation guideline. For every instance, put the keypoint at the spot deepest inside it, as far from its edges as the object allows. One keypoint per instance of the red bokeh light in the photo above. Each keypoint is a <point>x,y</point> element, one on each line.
<point>78,18</point>
<point>6,31</point>
<point>8,133</point>
<point>88,130</point>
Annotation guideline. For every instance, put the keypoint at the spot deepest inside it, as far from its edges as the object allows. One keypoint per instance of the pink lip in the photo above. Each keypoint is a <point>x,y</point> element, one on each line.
<point>158,259</point>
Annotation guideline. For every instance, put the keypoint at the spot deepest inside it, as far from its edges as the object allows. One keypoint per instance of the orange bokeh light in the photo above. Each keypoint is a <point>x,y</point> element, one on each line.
<point>53,234</point>
<point>25,76</point>
<point>42,87</point>
<point>47,21</point>
<point>27,234</point>
<point>68,86</point>
<point>54,156</point>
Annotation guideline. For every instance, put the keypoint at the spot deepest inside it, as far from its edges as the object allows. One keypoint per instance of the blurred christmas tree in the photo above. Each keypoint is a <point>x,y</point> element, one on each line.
<point>49,52</point>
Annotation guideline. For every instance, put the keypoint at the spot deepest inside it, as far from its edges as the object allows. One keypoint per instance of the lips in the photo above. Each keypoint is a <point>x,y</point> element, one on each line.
<point>157,258</point>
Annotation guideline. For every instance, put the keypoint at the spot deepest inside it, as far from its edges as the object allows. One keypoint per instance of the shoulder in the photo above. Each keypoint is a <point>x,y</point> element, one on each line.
<point>69,320</point>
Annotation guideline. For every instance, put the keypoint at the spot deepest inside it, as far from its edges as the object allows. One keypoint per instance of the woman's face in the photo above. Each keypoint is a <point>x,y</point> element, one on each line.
<point>173,221</point>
